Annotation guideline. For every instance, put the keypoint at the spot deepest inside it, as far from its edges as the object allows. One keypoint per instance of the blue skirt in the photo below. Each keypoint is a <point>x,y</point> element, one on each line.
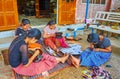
<point>93,58</point>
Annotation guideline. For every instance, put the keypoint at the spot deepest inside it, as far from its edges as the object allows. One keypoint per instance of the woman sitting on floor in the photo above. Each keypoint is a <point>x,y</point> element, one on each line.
<point>23,28</point>
<point>50,38</point>
<point>22,64</point>
<point>97,54</point>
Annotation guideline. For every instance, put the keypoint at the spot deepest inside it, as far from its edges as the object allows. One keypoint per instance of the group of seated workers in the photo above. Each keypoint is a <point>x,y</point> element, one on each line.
<point>26,41</point>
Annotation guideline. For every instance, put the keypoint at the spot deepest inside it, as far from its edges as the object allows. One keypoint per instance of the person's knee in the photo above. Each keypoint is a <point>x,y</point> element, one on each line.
<point>88,49</point>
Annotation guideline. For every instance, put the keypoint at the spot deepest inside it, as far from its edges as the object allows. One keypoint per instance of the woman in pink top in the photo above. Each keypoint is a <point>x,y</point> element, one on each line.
<point>50,39</point>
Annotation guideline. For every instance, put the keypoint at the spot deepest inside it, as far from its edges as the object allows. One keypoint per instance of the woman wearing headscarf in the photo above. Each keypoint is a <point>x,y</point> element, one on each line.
<point>97,54</point>
<point>50,38</point>
<point>22,64</point>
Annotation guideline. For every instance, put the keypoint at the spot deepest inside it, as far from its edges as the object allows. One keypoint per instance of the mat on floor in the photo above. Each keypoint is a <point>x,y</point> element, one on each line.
<point>55,69</point>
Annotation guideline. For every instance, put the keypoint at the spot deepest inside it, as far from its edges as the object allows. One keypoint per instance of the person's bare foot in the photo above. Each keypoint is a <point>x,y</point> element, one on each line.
<point>74,61</point>
<point>45,73</point>
<point>64,58</point>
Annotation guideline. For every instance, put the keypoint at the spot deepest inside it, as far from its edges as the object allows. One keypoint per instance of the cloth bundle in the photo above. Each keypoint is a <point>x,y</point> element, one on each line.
<point>74,49</point>
<point>35,46</point>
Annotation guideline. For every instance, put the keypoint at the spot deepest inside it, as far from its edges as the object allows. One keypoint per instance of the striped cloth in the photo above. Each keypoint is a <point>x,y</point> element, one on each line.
<point>56,68</point>
<point>46,63</point>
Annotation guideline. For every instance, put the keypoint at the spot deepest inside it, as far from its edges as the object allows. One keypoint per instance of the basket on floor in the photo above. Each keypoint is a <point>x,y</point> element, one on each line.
<point>5,56</point>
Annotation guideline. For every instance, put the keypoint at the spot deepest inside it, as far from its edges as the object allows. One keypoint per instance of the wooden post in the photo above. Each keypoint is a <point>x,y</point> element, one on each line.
<point>108,5</point>
<point>37,8</point>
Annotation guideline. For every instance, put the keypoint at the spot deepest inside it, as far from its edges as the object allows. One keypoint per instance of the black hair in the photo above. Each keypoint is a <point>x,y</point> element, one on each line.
<point>25,21</point>
<point>89,38</point>
<point>34,33</point>
<point>93,37</point>
<point>52,22</point>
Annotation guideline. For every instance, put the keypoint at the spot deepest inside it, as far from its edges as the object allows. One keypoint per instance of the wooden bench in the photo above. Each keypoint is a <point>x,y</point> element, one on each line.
<point>106,16</point>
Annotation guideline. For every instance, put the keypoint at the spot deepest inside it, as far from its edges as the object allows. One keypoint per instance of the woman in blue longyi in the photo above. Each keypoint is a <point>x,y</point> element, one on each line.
<point>97,54</point>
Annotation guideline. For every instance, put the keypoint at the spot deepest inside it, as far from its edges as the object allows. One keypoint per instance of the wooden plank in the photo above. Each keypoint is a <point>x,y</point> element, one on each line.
<point>107,16</point>
<point>66,11</point>
<point>37,8</point>
<point>8,15</point>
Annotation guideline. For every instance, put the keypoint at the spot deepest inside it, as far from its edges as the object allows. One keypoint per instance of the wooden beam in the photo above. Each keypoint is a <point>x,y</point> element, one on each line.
<point>108,5</point>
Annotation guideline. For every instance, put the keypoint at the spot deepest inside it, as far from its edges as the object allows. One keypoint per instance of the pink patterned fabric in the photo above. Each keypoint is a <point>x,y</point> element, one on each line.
<point>62,42</point>
<point>48,62</point>
<point>50,42</point>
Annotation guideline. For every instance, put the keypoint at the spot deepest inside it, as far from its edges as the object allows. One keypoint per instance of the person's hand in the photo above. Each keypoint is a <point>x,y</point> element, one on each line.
<point>96,49</point>
<point>28,63</point>
<point>91,46</point>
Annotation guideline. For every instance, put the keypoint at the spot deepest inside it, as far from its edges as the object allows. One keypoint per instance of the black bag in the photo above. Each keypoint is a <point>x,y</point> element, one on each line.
<point>58,35</point>
<point>37,59</point>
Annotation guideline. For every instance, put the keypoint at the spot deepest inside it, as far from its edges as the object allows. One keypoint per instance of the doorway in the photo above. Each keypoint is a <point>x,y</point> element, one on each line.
<point>46,8</point>
<point>26,7</point>
<point>39,12</point>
